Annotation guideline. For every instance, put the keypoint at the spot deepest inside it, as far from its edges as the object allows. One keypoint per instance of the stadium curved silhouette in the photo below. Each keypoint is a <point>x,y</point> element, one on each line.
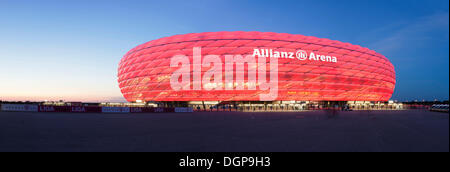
<point>310,69</point>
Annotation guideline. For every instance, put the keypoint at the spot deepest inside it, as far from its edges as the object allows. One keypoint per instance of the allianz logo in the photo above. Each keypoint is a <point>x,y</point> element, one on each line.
<point>300,55</point>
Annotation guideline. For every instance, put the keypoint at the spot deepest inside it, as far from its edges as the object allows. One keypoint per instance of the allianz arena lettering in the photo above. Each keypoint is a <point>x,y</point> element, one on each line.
<point>239,66</point>
<point>300,55</point>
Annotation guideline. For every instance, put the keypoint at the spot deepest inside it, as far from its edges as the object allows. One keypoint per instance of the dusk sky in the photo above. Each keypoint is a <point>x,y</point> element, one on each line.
<point>70,50</point>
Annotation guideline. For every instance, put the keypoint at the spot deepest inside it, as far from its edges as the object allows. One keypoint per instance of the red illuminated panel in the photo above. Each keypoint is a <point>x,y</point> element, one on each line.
<point>359,74</point>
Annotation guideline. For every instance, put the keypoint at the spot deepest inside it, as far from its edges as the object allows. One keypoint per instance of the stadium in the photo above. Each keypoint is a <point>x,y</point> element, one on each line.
<point>311,72</point>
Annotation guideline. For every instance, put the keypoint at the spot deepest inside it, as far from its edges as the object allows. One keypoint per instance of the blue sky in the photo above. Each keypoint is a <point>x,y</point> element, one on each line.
<point>70,50</point>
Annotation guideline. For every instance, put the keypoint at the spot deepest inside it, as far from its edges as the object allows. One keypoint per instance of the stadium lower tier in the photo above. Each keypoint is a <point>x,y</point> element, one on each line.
<point>252,106</point>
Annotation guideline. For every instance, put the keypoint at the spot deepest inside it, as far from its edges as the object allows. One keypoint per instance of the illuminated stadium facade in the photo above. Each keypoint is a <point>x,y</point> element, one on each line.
<point>226,68</point>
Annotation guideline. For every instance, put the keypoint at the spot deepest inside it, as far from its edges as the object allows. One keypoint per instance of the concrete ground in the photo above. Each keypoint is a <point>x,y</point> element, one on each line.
<point>360,131</point>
